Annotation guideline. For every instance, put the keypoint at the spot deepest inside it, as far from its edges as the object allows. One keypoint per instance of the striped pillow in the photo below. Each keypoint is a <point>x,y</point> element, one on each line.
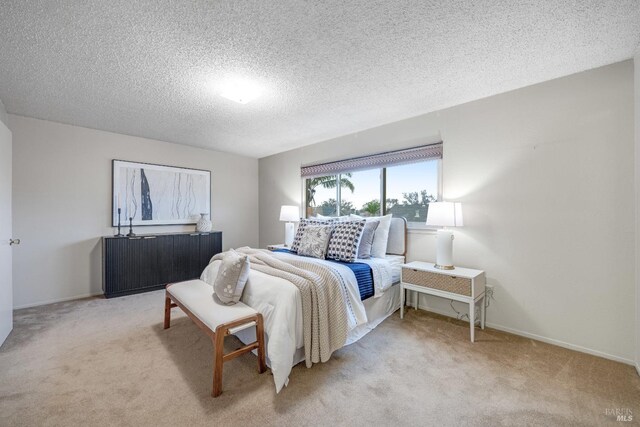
<point>345,239</point>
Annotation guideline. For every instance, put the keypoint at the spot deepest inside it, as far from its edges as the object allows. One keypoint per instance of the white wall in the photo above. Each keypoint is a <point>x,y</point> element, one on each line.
<point>546,175</point>
<point>3,114</point>
<point>62,202</point>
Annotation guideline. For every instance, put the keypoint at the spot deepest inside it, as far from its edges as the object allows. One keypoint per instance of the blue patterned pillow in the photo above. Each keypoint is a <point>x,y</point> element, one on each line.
<point>345,239</point>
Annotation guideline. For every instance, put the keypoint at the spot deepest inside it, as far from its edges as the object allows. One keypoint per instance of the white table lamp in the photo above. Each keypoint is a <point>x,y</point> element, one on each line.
<point>289,214</point>
<point>444,214</point>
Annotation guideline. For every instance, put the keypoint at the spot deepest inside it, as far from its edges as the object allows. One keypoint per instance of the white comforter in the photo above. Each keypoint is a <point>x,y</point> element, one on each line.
<point>280,304</point>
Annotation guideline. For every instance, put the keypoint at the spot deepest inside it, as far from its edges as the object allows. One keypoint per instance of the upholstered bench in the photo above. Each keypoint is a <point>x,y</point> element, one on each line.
<point>217,320</point>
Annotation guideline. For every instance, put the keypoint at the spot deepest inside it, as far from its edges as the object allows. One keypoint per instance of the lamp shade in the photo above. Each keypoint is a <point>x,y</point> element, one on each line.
<point>445,214</point>
<point>289,213</point>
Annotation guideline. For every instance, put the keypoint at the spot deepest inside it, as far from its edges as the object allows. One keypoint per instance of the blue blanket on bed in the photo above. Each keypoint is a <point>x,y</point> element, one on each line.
<point>362,271</point>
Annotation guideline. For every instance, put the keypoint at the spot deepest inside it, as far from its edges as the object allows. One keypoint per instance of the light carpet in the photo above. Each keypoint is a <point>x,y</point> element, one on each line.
<point>109,362</point>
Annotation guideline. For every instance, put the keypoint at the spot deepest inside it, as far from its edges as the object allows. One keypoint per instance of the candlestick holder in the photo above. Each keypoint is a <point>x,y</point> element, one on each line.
<point>119,233</point>
<point>131,233</point>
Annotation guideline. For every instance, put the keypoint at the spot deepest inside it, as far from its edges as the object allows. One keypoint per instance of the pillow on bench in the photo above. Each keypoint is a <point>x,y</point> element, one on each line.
<point>232,276</point>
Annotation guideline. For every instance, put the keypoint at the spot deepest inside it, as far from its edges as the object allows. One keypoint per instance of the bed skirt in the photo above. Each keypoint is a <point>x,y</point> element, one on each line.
<point>377,310</point>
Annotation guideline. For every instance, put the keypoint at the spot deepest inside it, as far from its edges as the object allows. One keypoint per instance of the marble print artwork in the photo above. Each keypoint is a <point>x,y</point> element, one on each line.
<point>158,195</point>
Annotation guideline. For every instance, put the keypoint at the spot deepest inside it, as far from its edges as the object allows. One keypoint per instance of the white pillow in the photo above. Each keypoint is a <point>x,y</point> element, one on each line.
<point>335,218</point>
<point>381,237</point>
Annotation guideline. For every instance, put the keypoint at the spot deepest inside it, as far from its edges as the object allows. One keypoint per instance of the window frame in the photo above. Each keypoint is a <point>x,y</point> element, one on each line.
<point>383,193</point>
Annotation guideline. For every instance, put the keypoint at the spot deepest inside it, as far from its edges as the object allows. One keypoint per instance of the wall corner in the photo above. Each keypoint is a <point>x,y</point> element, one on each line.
<point>636,104</point>
<point>4,118</point>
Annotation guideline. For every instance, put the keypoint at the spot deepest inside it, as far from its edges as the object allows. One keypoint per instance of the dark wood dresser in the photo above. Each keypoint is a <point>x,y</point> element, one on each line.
<point>149,261</point>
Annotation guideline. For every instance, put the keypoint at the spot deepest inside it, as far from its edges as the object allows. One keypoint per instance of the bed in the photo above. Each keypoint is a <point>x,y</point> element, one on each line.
<point>371,294</point>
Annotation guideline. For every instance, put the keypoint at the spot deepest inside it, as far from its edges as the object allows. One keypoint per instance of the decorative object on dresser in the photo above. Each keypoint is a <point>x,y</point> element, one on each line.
<point>131,233</point>
<point>444,214</point>
<point>148,262</point>
<point>462,284</point>
<point>159,195</point>
<point>204,224</point>
<point>119,233</point>
<point>290,214</point>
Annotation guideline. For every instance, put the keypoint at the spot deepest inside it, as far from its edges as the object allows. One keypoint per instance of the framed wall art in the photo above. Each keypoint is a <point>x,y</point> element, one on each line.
<point>159,195</point>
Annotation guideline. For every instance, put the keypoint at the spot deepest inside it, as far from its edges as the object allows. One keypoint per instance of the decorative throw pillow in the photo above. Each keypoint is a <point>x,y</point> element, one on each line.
<point>381,237</point>
<point>315,240</point>
<point>366,241</point>
<point>301,227</point>
<point>232,276</point>
<point>343,245</point>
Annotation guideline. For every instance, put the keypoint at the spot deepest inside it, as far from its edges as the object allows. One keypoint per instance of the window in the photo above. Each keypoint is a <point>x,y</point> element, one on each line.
<point>362,196</point>
<point>321,196</point>
<point>406,188</point>
<point>409,188</point>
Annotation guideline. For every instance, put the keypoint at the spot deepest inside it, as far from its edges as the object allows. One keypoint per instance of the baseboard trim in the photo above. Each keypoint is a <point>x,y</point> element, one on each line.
<point>638,368</point>
<point>53,301</point>
<point>546,340</point>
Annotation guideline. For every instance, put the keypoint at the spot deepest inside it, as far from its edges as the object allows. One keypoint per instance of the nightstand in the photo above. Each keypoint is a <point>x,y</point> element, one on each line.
<point>278,246</point>
<point>461,284</point>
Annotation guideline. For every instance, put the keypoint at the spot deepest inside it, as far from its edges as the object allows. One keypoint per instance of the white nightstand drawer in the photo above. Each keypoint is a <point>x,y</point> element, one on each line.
<point>453,284</point>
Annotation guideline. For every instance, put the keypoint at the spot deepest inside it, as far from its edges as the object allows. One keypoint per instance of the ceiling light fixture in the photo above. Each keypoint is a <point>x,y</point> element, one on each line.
<point>241,91</point>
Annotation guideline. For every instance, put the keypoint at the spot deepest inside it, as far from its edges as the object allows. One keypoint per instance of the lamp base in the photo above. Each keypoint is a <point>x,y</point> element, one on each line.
<point>444,252</point>
<point>288,234</point>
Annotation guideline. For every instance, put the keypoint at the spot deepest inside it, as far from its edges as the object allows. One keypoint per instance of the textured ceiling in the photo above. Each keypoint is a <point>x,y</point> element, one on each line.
<point>154,68</point>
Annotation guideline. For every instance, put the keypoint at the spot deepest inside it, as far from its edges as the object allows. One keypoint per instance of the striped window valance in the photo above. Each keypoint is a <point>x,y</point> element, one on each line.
<point>375,161</point>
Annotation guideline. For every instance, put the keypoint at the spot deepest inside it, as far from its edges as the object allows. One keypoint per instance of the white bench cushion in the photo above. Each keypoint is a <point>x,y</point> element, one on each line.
<point>197,297</point>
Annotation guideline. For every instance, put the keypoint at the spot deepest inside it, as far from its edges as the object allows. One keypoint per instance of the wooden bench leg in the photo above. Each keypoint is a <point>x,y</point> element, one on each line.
<point>218,351</point>
<point>262,366</point>
<point>167,311</point>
